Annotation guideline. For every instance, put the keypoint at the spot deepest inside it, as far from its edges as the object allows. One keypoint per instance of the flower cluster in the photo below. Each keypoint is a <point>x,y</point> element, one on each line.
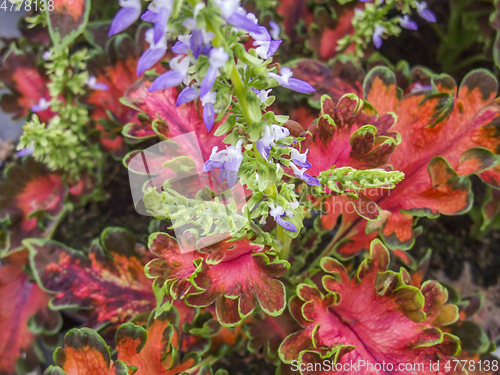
<point>213,65</point>
<point>372,21</point>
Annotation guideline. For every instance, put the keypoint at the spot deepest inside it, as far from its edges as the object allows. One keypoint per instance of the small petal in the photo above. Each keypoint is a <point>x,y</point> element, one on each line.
<point>149,58</point>
<point>299,86</point>
<point>407,23</point>
<point>275,30</point>
<point>161,23</point>
<point>427,15</point>
<point>123,19</point>
<point>196,43</point>
<point>208,116</point>
<point>285,224</point>
<point>210,164</point>
<point>265,151</point>
<point>169,79</point>
<point>180,48</point>
<point>187,95</point>
<point>241,22</point>
<point>261,35</point>
<point>25,151</point>
<point>232,178</point>
<point>208,81</point>
<point>100,86</point>
<point>312,181</point>
<point>149,16</point>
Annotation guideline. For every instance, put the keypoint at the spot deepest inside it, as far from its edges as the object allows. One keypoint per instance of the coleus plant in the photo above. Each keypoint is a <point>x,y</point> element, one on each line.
<point>207,68</point>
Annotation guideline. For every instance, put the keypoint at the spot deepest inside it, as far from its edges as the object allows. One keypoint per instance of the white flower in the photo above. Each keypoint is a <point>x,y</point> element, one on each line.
<point>264,94</point>
<point>279,132</point>
<point>208,98</point>
<point>218,57</point>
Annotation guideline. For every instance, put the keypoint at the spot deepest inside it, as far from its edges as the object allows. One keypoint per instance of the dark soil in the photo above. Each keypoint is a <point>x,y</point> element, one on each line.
<point>85,223</point>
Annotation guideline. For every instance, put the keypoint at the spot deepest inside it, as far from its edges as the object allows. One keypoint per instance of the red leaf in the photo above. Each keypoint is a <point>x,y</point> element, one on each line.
<point>85,353</point>
<point>234,275</point>
<point>171,120</point>
<point>20,74</point>
<point>338,326</point>
<point>340,79</point>
<point>31,199</point>
<point>151,351</point>
<point>110,281</point>
<point>445,138</point>
<point>66,20</point>
<point>21,301</point>
<point>346,136</point>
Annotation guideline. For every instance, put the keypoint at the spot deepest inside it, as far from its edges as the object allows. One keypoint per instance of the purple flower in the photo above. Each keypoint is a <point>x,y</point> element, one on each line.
<point>229,162</point>
<point>419,87</point>
<point>377,35</point>
<point>218,58</point>
<point>25,151</point>
<point>275,30</point>
<point>196,42</point>
<point>153,54</point>
<point>266,48</point>
<point>208,101</point>
<point>300,159</point>
<point>285,80</point>
<point>301,173</point>
<point>271,136</point>
<point>174,77</point>
<point>46,55</point>
<point>278,213</point>
<point>236,15</point>
<point>94,85</point>
<point>158,13</point>
<point>407,23</point>
<point>149,16</point>
<point>183,44</point>
<point>42,105</point>
<point>265,143</point>
<point>425,13</point>
<point>187,95</point>
<point>130,12</point>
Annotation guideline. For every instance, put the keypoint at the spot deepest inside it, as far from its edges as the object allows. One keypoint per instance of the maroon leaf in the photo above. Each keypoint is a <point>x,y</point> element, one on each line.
<point>110,280</point>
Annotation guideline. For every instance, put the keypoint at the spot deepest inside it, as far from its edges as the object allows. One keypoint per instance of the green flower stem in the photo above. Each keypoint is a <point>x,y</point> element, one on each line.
<point>239,86</point>
<point>241,94</point>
